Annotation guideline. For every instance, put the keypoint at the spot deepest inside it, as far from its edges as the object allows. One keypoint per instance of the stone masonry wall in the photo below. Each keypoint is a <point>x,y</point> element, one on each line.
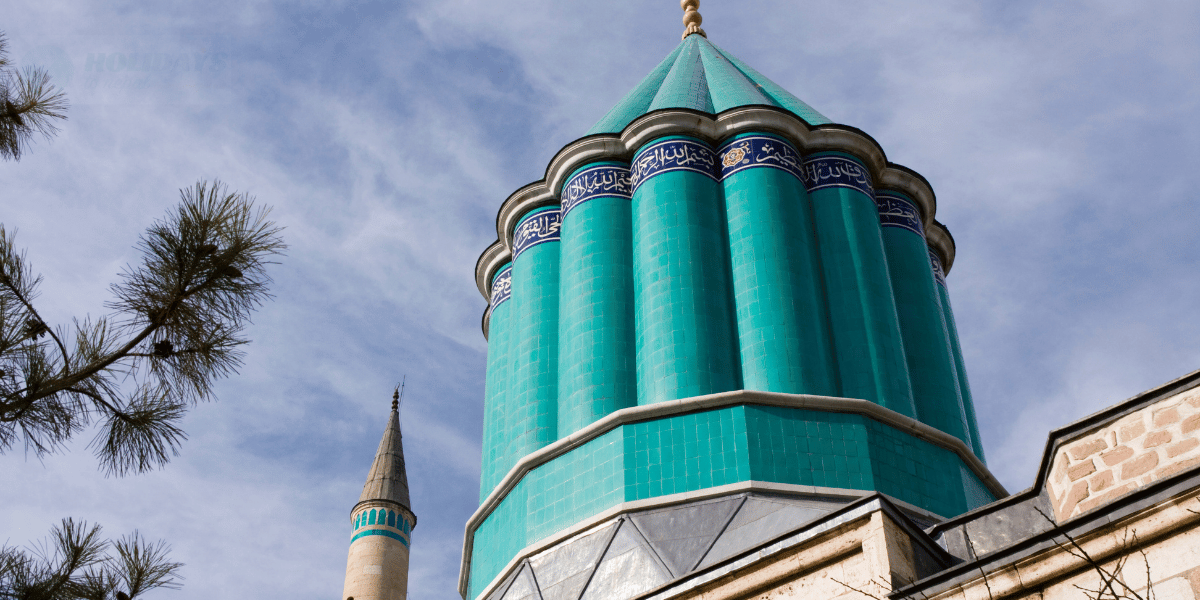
<point>1113,460</point>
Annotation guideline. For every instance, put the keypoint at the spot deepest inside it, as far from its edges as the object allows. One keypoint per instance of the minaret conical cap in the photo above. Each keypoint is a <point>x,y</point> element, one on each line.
<point>387,479</point>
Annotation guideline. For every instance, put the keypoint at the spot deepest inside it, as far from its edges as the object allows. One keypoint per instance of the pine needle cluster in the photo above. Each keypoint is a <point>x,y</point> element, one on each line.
<point>76,563</point>
<point>177,326</point>
<point>29,105</point>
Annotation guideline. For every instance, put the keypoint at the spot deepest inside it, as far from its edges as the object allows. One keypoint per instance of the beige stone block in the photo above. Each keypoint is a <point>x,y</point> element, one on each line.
<point>1132,432</point>
<point>1177,588</point>
<point>1139,466</point>
<point>1116,455</point>
<point>1105,498</point>
<point>1183,447</point>
<point>1193,399</point>
<point>1059,470</point>
<point>1156,439</point>
<point>1166,416</point>
<point>1194,574</point>
<point>1087,448</point>
<point>1081,470</point>
<point>1176,467</point>
<point>1101,481</point>
<point>1072,499</point>
<point>1191,423</point>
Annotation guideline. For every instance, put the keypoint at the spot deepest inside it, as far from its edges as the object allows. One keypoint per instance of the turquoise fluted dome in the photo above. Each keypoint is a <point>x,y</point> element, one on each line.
<point>715,293</point>
<point>700,76</point>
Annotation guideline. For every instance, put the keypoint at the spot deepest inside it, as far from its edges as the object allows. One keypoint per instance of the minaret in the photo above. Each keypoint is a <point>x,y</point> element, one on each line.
<point>377,568</point>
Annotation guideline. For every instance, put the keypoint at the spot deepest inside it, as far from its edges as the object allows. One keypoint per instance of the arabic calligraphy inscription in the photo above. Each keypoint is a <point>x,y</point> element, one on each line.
<point>502,288</point>
<point>760,151</point>
<point>836,171</point>
<point>672,155</point>
<point>538,229</point>
<point>605,181</point>
<point>898,211</point>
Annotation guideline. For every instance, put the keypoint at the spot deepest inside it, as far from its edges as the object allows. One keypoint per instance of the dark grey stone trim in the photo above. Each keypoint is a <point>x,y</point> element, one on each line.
<point>852,512</point>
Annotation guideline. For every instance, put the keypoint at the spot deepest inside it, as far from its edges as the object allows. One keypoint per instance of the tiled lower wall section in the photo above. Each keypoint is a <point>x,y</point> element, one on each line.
<point>707,449</point>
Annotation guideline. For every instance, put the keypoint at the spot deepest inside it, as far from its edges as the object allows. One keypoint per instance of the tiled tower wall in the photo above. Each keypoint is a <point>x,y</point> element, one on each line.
<point>596,368</point>
<point>862,310</point>
<point>959,367</point>
<point>931,365</point>
<point>531,416</point>
<point>496,386</point>
<point>698,272</point>
<point>782,323</point>
<point>686,342</point>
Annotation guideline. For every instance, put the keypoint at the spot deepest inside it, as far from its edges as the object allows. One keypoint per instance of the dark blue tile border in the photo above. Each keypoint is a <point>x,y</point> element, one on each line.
<point>604,181</point>
<point>760,151</point>
<point>540,228</point>
<point>900,212</point>
<point>502,287</point>
<point>673,155</point>
<point>938,273</point>
<point>836,171</point>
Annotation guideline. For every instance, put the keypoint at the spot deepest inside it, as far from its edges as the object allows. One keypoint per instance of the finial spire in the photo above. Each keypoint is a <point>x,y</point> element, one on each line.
<point>398,394</point>
<point>691,17</point>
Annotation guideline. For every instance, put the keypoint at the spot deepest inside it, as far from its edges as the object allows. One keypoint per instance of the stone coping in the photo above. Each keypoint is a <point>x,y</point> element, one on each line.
<point>698,403</point>
<point>712,129</point>
<point>1160,506</point>
<point>1058,438</point>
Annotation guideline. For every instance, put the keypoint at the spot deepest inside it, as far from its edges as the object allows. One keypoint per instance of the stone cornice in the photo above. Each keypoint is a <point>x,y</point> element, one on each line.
<point>938,238</point>
<point>709,402</point>
<point>712,129</point>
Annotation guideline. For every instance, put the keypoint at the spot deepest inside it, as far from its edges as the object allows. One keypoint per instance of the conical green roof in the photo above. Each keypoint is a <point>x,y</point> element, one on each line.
<point>700,76</point>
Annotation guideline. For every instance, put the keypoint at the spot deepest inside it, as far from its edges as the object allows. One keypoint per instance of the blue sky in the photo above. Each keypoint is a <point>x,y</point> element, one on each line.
<point>1062,139</point>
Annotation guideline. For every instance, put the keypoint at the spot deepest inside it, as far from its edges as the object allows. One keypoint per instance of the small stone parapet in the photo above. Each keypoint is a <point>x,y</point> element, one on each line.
<point>1119,457</point>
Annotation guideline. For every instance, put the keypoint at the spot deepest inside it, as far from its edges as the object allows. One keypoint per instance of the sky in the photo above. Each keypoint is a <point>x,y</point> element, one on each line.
<point>1062,140</point>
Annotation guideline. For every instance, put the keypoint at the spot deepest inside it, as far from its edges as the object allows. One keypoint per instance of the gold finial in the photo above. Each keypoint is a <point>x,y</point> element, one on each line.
<point>691,17</point>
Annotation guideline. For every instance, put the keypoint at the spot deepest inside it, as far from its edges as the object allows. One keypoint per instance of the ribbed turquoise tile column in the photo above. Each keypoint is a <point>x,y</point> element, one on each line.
<point>782,320</point>
<point>596,367</point>
<point>533,416</point>
<point>686,342</point>
<point>496,382</point>
<point>964,386</point>
<point>926,345</point>
<point>866,330</point>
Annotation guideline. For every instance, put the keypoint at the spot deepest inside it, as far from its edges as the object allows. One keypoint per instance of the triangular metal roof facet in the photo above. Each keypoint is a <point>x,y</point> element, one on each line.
<point>698,75</point>
<point>387,479</point>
